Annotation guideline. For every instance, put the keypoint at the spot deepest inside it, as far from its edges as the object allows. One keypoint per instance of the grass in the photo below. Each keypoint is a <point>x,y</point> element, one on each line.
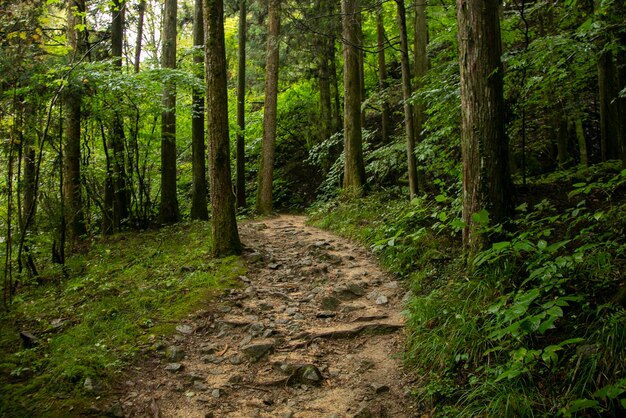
<point>127,289</point>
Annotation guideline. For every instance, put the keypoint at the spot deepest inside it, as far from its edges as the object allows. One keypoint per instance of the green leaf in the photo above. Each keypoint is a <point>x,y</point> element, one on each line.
<point>440,198</point>
<point>499,246</point>
<point>579,405</point>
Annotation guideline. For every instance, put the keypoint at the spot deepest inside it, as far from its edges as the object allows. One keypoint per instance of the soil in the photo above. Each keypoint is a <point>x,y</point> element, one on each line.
<point>314,330</point>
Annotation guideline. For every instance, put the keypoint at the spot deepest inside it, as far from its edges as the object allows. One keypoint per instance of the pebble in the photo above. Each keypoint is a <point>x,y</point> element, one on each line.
<point>184,329</point>
<point>216,393</point>
<point>174,367</point>
<point>382,300</point>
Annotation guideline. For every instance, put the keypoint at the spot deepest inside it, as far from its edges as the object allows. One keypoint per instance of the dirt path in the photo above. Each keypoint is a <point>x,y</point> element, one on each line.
<point>315,331</point>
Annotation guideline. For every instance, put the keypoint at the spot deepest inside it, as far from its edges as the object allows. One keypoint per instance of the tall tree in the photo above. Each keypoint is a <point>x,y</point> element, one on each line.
<point>421,64</point>
<point>72,196</point>
<point>484,145</point>
<point>266,169</point>
<point>406,95</point>
<point>141,10</point>
<point>382,74</point>
<point>354,168</point>
<point>168,212</point>
<point>224,226</point>
<point>241,106</point>
<point>323,76</point>
<point>199,208</point>
<point>119,181</point>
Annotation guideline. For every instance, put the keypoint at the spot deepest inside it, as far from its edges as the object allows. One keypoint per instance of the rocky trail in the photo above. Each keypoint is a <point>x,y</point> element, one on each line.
<point>315,330</point>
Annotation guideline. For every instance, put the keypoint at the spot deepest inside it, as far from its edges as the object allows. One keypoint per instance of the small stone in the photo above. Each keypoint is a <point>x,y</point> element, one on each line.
<point>255,257</point>
<point>274,266</point>
<point>330,303</point>
<point>391,285</point>
<point>407,297</point>
<point>268,332</point>
<point>382,300</point>
<point>116,410</point>
<point>226,309</point>
<point>174,367</point>
<point>379,388</point>
<point>256,328</point>
<point>199,385</point>
<point>268,401</point>
<point>291,311</point>
<point>216,393</point>
<point>325,314</point>
<point>236,360</point>
<point>364,413</point>
<point>287,414</point>
<point>258,350</point>
<point>208,349</point>
<point>90,386</point>
<point>298,317</point>
<point>184,329</point>
<point>190,394</point>
<point>311,374</point>
<point>265,306</point>
<point>174,353</point>
<point>234,379</point>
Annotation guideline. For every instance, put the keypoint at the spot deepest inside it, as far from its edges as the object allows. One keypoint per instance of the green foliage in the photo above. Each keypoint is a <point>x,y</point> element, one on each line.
<point>126,292</point>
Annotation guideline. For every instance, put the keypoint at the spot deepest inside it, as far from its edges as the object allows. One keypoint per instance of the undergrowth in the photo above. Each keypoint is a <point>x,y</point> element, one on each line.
<point>92,320</point>
<point>535,324</point>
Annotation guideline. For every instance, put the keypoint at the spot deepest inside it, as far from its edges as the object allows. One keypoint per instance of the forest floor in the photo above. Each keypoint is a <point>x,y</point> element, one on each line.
<point>314,330</point>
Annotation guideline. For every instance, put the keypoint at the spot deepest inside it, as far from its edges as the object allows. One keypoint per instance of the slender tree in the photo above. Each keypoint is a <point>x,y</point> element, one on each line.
<point>323,77</point>
<point>406,95</point>
<point>266,169</point>
<point>169,203</point>
<point>241,106</point>
<point>354,168</point>
<point>72,196</point>
<point>199,208</point>
<point>224,226</point>
<point>141,10</point>
<point>486,179</point>
<point>385,122</point>
<point>421,64</point>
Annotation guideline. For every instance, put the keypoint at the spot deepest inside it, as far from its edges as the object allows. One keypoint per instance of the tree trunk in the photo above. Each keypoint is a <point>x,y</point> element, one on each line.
<point>421,68</point>
<point>608,109</point>
<point>138,42</point>
<point>406,95</point>
<point>120,181</point>
<point>486,178</point>
<point>385,122</point>
<point>224,225</point>
<point>582,142</point>
<point>241,107</point>
<point>72,196</point>
<point>334,82</point>
<point>361,55</point>
<point>168,212</point>
<point>323,75</point>
<point>199,208</point>
<point>562,140</point>
<point>354,169</point>
<point>266,169</point>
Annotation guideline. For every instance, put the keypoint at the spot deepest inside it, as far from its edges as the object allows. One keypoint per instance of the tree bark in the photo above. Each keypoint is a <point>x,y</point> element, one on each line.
<point>421,64</point>
<point>385,122</point>
<point>323,76</point>
<point>241,107</point>
<point>266,169</point>
<point>168,211</point>
<point>354,168</point>
<point>72,195</point>
<point>406,95</point>
<point>199,208</point>
<point>334,82</point>
<point>138,42</point>
<point>224,225</point>
<point>486,179</point>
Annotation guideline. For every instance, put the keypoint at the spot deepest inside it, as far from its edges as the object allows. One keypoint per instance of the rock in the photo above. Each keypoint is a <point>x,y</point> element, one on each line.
<point>216,393</point>
<point>199,386</point>
<point>349,292</point>
<point>234,379</point>
<point>311,374</point>
<point>184,329</point>
<point>236,360</point>
<point>268,332</point>
<point>291,311</point>
<point>28,339</point>
<point>196,378</point>
<point>264,306</point>
<point>115,410</point>
<point>174,353</point>
<point>256,328</point>
<point>287,414</point>
<point>212,359</point>
<point>255,257</point>
<point>330,303</point>
<point>325,314</point>
<point>379,388</point>
<point>225,309</point>
<point>258,350</point>
<point>91,386</point>
<point>274,266</point>
<point>364,412</point>
<point>174,367</point>
<point>407,297</point>
<point>298,317</point>
<point>381,300</point>
<point>391,285</point>
<point>209,348</point>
